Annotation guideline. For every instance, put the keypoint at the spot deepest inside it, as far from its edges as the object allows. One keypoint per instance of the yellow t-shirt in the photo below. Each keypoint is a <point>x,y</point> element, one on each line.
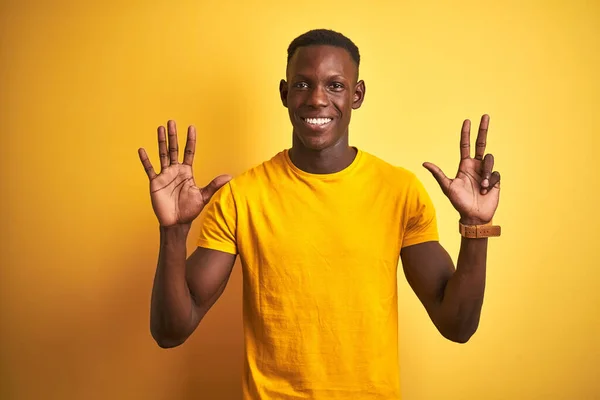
<point>320,258</point>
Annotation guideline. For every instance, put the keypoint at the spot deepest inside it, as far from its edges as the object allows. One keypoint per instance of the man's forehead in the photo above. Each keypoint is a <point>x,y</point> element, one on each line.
<point>320,57</point>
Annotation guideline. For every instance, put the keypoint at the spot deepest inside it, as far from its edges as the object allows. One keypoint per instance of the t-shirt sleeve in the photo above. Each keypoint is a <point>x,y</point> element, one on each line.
<point>218,222</point>
<point>420,223</point>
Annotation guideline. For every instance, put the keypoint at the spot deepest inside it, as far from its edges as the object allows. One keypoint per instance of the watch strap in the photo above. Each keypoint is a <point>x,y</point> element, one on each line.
<point>479,231</point>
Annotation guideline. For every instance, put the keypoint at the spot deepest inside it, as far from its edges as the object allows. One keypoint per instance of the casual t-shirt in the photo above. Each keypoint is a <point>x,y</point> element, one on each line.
<point>319,254</point>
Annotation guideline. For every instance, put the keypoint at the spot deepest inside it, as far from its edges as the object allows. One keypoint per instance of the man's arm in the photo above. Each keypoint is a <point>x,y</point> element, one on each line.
<point>184,290</point>
<point>452,297</point>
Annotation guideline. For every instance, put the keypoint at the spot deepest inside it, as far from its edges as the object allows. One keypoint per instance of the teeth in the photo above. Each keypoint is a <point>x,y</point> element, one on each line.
<point>318,121</point>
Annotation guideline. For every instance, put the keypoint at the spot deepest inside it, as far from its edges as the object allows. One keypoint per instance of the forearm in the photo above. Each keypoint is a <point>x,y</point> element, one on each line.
<point>172,310</point>
<point>462,299</point>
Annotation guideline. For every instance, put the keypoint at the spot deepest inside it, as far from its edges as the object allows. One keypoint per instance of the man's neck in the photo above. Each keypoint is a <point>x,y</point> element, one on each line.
<point>327,161</point>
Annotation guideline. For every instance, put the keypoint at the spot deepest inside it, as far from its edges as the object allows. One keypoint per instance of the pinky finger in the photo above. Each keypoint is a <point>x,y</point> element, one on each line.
<point>495,180</point>
<point>146,163</point>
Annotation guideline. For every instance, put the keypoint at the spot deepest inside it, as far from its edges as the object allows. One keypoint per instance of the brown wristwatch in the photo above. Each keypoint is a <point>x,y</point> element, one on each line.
<point>479,231</point>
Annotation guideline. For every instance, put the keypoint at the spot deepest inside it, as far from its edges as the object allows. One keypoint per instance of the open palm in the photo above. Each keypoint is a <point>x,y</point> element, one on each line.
<point>475,191</point>
<point>175,197</point>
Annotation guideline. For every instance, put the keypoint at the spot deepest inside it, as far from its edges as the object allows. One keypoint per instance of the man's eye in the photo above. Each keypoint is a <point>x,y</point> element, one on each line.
<point>337,86</point>
<point>301,85</point>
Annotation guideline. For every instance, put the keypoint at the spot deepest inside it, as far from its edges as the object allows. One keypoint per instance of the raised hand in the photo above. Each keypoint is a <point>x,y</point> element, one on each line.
<point>175,197</point>
<point>475,191</point>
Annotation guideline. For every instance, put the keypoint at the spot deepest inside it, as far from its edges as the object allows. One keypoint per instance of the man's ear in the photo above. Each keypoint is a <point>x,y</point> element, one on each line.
<point>359,95</point>
<point>283,92</point>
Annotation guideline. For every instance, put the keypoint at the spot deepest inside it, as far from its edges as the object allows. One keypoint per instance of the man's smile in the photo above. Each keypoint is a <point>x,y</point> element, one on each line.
<point>317,123</point>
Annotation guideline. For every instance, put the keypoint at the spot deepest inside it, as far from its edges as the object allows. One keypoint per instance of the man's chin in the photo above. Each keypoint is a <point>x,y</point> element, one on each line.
<point>314,141</point>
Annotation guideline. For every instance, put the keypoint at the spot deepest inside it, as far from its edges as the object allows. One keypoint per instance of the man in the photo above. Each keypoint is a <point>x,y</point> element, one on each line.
<point>319,229</point>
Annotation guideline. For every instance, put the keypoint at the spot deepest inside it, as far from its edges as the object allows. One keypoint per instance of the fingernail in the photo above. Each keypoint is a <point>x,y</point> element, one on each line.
<point>485,183</point>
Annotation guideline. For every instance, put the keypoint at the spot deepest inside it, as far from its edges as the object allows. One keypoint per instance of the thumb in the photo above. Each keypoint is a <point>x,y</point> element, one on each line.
<point>209,190</point>
<point>439,176</point>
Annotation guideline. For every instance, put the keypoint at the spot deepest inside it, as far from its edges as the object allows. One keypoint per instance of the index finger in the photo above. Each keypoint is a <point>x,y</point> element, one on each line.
<point>482,137</point>
<point>465,140</point>
<point>190,146</point>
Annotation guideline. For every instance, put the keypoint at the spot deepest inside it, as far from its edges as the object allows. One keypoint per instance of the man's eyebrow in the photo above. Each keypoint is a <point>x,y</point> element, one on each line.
<point>338,76</point>
<point>300,76</point>
<point>335,76</point>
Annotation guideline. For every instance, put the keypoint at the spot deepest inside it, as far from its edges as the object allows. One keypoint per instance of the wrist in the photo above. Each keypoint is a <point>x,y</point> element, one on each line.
<point>177,230</point>
<point>473,228</point>
<point>472,221</point>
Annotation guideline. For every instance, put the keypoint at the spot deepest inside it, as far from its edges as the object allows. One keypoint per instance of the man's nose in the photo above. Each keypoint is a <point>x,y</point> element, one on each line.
<point>318,97</point>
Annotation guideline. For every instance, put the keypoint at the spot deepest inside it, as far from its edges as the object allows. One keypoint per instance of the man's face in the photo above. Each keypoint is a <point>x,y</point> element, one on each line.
<point>320,93</point>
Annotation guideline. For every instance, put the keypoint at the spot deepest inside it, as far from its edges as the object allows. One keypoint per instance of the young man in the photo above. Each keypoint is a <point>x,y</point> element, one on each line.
<point>319,229</point>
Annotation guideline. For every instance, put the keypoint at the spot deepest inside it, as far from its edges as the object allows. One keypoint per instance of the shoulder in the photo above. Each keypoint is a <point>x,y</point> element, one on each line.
<point>257,176</point>
<point>396,175</point>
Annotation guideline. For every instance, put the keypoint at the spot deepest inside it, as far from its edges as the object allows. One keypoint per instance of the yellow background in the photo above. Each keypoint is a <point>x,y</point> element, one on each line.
<point>84,84</point>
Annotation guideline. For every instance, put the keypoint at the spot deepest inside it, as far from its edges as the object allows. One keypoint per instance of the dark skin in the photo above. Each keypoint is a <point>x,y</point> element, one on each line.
<point>453,297</point>
<point>321,83</point>
<point>320,93</point>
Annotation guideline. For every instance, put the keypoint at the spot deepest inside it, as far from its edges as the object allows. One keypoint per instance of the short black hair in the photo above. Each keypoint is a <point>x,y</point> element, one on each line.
<point>324,37</point>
